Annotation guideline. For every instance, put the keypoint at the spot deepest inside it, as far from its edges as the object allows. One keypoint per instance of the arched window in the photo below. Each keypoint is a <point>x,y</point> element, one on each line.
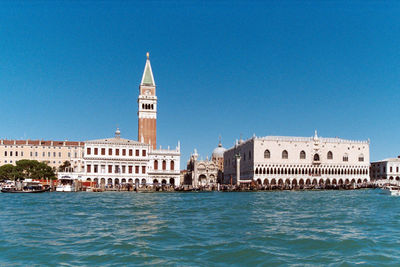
<point>316,157</point>
<point>361,157</point>
<point>285,154</point>
<point>164,165</point>
<point>302,155</point>
<point>345,157</point>
<point>156,164</point>
<point>267,154</point>
<point>330,155</point>
<point>172,165</point>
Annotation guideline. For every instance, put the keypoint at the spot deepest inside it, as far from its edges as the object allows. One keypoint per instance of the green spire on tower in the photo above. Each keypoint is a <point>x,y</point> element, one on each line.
<point>148,78</point>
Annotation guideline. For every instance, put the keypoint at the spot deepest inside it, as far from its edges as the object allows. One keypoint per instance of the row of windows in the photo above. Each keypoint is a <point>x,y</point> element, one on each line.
<point>35,154</point>
<point>123,168</point>
<point>6,153</point>
<point>384,169</point>
<point>124,152</point>
<point>310,171</point>
<point>329,155</point>
<point>147,106</point>
<point>50,147</point>
<point>54,162</point>
<point>114,169</point>
<point>164,165</point>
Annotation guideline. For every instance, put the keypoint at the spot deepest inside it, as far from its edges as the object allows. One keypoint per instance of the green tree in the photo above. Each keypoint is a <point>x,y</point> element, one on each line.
<point>10,172</point>
<point>44,171</point>
<point>27,167</point>
<point>33,169</point>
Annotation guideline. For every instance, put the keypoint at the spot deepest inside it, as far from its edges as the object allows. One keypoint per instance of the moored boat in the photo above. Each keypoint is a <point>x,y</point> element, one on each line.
<point>27,187</point>
<point>66,184</point>
<point>391,190</point>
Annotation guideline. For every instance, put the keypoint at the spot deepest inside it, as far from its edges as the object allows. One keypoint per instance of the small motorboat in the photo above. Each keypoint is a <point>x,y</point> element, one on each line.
<point>66,184</point>
<point>392,190</point>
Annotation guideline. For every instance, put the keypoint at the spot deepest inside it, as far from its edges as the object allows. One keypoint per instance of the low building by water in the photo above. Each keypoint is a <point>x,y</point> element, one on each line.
<point>297,161</point>
<point>386,169</point>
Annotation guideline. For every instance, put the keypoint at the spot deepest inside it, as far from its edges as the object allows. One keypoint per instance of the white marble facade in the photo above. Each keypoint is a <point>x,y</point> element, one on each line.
<point>274,160</point>
<point>114,161</point>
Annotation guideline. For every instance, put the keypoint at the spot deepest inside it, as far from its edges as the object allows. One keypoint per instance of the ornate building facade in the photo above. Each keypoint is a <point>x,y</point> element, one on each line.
<point>203,173</point>
<point>114,161</point>
<point>278,160</point>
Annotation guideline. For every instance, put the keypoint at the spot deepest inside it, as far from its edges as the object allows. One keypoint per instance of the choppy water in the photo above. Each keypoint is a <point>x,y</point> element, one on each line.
<point>207,229</point>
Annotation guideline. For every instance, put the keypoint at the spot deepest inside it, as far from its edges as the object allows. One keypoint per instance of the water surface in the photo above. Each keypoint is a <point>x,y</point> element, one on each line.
<point>203,229</point>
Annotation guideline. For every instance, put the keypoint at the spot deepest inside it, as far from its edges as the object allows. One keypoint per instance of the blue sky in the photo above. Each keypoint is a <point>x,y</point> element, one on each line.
<point>71,70</point>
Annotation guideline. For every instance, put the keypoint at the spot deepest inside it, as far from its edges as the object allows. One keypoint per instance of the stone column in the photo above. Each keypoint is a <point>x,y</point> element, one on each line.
<point>237,156</point>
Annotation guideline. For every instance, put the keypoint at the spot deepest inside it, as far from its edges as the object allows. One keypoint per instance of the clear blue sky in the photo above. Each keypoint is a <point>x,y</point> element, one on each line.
<point>71,70</point>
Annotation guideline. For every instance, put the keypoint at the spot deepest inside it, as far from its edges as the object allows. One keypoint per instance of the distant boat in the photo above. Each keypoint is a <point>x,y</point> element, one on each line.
<point>391,190</point>
<point>66,184</point>
<point>28,187</point>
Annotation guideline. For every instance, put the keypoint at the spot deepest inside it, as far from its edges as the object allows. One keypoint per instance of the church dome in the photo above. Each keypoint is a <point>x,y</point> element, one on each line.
<point>218,151</point>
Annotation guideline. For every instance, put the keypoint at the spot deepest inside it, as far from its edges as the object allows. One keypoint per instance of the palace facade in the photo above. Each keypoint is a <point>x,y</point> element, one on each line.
<point>114,161</point>
<point>293,161</point>
<point>54,153</point>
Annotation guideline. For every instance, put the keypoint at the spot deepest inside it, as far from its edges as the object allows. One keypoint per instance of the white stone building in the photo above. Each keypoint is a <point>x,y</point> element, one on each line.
<point>54,153</point>
<point>293,161</point>
<point>114,161</point>
<point>386,169</point>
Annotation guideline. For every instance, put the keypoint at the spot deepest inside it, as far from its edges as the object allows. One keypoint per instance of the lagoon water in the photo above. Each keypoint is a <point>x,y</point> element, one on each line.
<point>200,229</point>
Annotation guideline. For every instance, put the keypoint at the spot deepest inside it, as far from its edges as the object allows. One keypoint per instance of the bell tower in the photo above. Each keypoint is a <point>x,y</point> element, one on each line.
<point>147,107</point>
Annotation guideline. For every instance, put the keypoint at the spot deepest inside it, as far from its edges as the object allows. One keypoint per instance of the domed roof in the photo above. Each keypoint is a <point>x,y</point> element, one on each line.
<point>218,151</point>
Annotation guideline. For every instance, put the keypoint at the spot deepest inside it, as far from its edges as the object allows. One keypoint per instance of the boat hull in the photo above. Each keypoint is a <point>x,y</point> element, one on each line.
<point>25,192</point>
<point>65,189</point>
